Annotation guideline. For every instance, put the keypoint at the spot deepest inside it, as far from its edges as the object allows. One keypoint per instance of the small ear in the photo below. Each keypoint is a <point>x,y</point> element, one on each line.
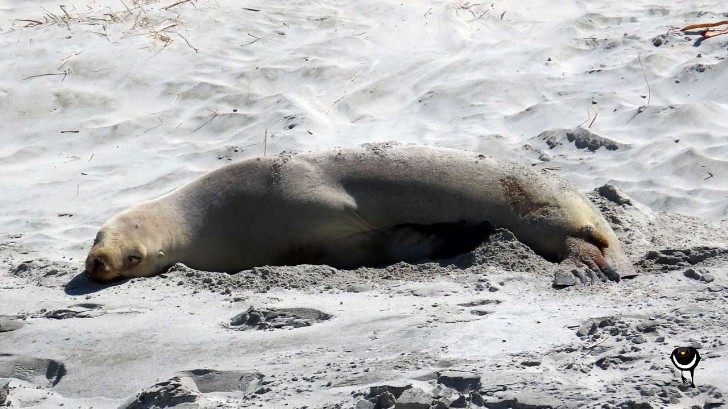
<point>160,253</point>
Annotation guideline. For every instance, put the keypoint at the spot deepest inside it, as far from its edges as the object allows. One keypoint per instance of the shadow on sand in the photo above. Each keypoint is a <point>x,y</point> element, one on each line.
<point>81,285</point>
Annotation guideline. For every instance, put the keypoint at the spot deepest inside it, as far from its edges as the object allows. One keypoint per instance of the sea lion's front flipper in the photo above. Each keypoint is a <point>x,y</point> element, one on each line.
<point>589,257</point>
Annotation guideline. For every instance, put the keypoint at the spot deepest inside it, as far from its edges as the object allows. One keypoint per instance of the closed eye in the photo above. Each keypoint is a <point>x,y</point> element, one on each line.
<point>135,259</point>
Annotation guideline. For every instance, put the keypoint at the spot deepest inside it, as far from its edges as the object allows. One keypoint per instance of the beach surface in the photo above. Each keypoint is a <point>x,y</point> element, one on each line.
<point>105,104</point>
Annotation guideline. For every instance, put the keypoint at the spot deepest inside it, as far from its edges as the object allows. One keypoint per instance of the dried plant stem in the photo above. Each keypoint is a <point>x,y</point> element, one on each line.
<point>175,4</point>
<point>265,142</point>
<point>64,73</point>
<point>644,75</point>
<point>596,114</point>
<point>214,115</point>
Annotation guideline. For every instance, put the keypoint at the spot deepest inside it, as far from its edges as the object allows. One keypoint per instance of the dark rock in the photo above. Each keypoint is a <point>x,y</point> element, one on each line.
<point>174,392</point>
<point>648,390</point>
<point>588,328</point>
<point>564,279</point>
<point>445,394</point>
<point>359,287</point>
<point>522,402</point>
<point>395,390</point>
<point>440,404</point>
<point>659,40</point>
<point>607,361</point>
<point>476,399</point>
<point>479,303</point>
<point>674,259</point>
<point>613,194</point>
<point>386,401</point>
<point>4,393</point>
<point>462,382</point>
<point>460,402</point>
<point>582,139</point>
<point>21,268</point>
<point>531,362</point>
<point>691,273</point>
<point>710,403</point>
<point>414,398</point>
<point>647,326</point>
<point>365,404</point>
<point>606,322</point>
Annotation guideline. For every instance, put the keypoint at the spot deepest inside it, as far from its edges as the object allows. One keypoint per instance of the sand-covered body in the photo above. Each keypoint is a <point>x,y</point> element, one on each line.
<point>348,208</point>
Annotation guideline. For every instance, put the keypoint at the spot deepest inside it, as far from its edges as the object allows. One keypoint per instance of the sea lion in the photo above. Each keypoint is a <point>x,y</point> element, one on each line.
<point>353,207</point>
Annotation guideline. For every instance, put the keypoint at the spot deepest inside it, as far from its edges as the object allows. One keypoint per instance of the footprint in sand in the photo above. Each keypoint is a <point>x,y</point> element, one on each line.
<point>10,323</point>
<point>277,318</point>
<point>187,389</point>
<point>81,310</point>
<point>210,380</point>
<point>43,372</point>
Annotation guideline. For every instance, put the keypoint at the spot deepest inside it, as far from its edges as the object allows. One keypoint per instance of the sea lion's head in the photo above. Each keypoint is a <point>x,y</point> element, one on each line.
<point>125,247</point>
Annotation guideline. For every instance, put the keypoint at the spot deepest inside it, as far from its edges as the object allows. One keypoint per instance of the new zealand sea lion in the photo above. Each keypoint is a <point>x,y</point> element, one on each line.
<point>353,207</point>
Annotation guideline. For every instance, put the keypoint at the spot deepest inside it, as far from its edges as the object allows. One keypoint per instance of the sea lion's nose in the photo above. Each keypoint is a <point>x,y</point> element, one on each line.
<point>97,265</point>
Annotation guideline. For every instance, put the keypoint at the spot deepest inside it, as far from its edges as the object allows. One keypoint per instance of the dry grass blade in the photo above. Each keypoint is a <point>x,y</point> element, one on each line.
<point>596,114</point>
<point>708,33</point>
<point>705,25</point>
<point>215,114</point>
<point>644,75</point>
<point>125,6</point>
<point>175,4</point>
<point>589,117</point>
<point>67,58</point>
<point>197,50</point>
<point>252,42</point>
<point>64,73</point>
<point>480,16</point>
<point>265,142</point>
<point>31,23</point>
<point>166,24</point>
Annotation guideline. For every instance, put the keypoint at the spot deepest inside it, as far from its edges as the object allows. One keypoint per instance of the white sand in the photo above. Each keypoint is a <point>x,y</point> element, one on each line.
<point>143,99</point>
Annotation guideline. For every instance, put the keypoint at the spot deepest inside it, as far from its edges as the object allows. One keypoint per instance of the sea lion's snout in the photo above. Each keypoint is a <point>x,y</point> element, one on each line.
<point>100,265</point>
